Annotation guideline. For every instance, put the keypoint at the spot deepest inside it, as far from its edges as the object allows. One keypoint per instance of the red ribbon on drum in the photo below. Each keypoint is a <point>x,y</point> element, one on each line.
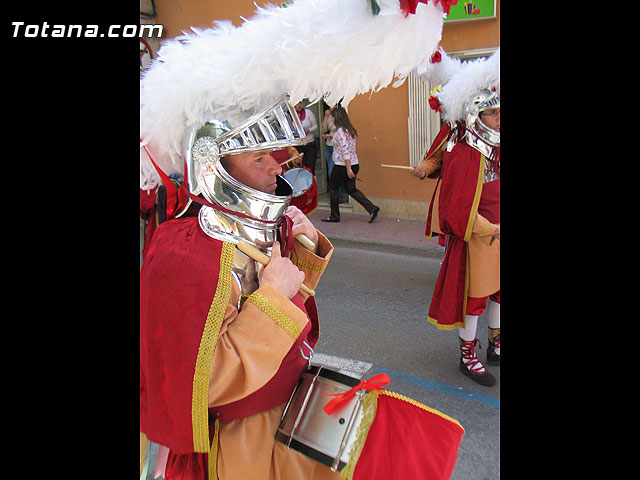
<point>374,383</point>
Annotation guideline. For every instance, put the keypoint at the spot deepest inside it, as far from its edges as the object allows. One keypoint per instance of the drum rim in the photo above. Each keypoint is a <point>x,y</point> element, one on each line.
<point>297,168</point>
<point>333,375</point>
<point>311,452</point>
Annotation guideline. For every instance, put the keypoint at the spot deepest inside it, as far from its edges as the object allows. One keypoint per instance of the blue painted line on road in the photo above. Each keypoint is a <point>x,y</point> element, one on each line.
<point>472,395</point>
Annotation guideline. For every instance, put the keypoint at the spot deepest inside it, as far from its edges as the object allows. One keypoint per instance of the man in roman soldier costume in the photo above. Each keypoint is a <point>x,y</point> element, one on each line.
<point>466,208</point>
<point>223,338</point>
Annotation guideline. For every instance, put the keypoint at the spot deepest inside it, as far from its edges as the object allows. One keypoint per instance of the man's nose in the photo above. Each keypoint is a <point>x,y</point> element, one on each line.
<point>274,167</point>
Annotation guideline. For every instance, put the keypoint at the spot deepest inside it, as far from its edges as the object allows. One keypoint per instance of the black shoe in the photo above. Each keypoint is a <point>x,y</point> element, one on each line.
<point>374,215</point>
<point>485,378</point>
<point>492,357</point>
<point>473,368</point>
<point>330,220</point>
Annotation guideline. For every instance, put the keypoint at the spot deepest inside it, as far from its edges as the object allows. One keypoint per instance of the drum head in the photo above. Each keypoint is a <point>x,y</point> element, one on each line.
<point>300,179</point>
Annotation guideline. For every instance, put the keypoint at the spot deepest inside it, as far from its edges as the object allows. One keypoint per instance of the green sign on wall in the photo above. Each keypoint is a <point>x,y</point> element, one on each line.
<point>472,10</point>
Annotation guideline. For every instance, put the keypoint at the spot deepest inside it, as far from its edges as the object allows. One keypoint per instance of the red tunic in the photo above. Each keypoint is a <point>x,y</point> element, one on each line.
<point>461,200</point>
<point>188,325</point>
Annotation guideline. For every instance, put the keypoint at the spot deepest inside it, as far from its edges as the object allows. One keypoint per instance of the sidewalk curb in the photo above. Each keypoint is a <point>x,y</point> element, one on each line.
<point>431,251</point>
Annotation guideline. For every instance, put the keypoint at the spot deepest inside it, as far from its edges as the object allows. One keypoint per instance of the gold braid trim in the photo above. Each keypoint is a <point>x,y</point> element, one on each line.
<point>213,454</point>
<point>453,326</point>
<point>277,315</point>
<point>476,200</point>
<point>369,408</point>
<point>305,264</point>
<point>200,396</point>
<point>415,403</point>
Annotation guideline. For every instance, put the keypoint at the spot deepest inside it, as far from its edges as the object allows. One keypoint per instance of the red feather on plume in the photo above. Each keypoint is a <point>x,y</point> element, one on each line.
<point>409,6</point>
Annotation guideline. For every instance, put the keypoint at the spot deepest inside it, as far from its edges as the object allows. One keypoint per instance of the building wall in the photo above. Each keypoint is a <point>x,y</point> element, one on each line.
<point>380,118</point>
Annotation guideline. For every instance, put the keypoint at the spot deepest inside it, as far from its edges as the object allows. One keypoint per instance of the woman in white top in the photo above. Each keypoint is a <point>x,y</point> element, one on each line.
<point>346,167</point>
<point>329,129</point>
<point>310,125</point>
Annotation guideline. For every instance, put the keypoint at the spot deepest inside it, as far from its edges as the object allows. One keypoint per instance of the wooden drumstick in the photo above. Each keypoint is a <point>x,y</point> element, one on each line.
<point>403,167</point>
<point>295,157</point>
<point>306,242</point>
<point>262,259</point>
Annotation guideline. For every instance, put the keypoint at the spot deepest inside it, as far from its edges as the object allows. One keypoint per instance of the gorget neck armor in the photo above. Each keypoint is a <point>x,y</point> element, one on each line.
<point>261,230</point>
<point>491,163</point>
<point>489,152</point>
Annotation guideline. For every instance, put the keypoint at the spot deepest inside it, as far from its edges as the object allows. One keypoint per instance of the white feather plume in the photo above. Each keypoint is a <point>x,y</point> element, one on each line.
<point>441,72</point>
<point>472,77</point>
<point>331,49</point>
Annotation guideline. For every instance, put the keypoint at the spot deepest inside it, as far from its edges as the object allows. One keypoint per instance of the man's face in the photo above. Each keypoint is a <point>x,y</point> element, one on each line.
<point>257,170</point>
<point>491,118</point>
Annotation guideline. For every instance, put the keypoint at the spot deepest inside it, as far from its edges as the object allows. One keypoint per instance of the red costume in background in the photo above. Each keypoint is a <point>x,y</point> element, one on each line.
<point>463,196</point>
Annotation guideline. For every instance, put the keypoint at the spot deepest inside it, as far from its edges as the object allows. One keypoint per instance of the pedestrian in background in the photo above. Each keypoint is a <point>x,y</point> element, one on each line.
<point>329,129</point>
<point>310,125</point>
<point>346,167</point>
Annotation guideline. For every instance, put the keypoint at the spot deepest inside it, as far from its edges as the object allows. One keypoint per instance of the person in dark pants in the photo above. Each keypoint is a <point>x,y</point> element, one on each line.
<point>309,149</point>
<point>346,168</point>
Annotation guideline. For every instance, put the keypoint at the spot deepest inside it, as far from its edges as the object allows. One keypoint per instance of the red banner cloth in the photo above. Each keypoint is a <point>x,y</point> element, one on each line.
<point>408,441</point>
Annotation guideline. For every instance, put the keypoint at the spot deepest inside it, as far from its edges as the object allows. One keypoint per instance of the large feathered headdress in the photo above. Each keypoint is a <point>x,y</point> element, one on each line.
<point>458,81</point>
<point>330,49</point>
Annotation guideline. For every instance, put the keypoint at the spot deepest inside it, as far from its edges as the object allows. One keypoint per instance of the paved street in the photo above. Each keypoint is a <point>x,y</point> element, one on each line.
<point>373,301</point>
<point>373,307</point>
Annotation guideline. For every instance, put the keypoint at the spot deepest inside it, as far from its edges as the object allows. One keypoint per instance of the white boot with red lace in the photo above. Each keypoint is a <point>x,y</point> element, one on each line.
<point>469,363</point>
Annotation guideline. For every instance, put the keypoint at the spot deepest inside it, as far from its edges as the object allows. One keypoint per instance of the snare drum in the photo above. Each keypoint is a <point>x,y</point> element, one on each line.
<point>306,427</point>
<point>305,189</point>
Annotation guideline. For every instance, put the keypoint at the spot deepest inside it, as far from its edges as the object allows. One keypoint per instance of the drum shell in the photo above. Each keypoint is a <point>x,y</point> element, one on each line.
<point>305,189</point>
<point>319,435</point>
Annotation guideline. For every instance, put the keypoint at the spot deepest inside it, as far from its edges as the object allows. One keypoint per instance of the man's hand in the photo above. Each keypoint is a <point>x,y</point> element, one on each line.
<point>419,172</point>
<point>493,235</point>
<point>301,224</point>
<point>281,274</point>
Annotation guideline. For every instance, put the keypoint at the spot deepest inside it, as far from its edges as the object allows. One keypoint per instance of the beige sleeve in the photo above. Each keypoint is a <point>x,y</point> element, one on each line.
<point>432,164</point>
<point>313,265</point>
<point>254,340</point>
<point>252,343</point>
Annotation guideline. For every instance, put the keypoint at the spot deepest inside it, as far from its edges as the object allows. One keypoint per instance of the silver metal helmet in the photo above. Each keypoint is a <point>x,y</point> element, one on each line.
<point>482,137</point>
<point>275,127</point>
